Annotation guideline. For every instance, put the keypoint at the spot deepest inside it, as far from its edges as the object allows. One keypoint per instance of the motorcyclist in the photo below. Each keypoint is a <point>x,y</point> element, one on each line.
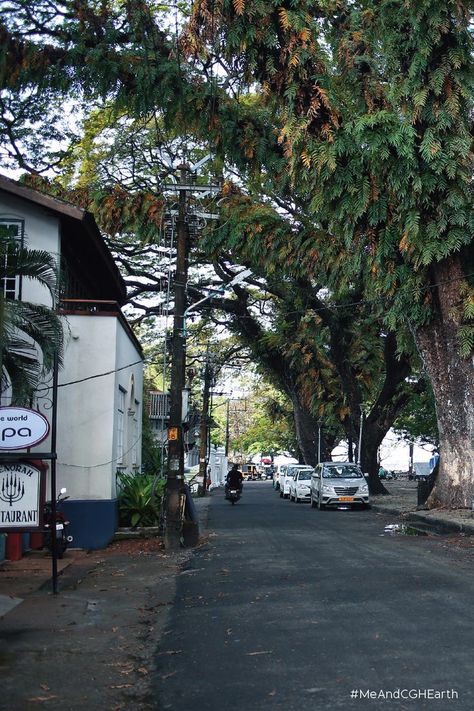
<point>234,479</point>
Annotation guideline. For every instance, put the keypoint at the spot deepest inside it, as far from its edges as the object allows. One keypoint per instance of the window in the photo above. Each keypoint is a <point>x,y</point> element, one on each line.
<point>135,434</point>
<point>120,425</point>
<point>11,284</point>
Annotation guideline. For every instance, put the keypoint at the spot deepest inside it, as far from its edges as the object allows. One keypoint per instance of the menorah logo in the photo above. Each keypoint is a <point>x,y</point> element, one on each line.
<point>12,490</point>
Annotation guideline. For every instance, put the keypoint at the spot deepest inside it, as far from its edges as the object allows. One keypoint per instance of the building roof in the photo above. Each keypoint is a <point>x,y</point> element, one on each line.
<point>81,238</point>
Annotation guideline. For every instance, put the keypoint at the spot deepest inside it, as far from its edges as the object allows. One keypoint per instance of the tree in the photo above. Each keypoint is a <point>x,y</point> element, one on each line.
<point>363,108</point>
<point>30,334</point>
<point>268,427</point>
<point>375,105</point>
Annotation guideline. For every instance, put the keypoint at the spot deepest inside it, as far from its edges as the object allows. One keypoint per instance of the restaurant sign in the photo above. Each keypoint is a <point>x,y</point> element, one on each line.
<point>20,497</point>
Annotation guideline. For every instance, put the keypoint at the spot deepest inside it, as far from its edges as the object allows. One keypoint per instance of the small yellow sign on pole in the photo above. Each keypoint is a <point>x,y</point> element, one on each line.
<point>172,433</point>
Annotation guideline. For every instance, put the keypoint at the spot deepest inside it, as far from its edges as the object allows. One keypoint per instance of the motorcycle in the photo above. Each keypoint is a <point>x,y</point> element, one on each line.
<point>233,495</point>
<point>60,526</point>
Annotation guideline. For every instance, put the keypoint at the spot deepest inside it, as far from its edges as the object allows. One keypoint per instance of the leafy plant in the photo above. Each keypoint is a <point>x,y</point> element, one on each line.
<point>139,499</point>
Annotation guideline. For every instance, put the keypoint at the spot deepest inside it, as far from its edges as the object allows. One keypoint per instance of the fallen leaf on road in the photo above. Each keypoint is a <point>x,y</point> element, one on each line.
<point>120,686</point>
<point>167,676</point>
<point>142,670</point>
<point>45,687</point>
<point>40,699</point>
<point>126,671</point>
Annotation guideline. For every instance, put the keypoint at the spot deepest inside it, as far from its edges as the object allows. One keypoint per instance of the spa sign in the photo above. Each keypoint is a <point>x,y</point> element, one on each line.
<point>21,428</point>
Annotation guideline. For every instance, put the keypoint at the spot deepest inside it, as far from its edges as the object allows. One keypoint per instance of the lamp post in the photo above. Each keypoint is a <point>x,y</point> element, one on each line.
<point>319,441</point>
<point>361,427</point>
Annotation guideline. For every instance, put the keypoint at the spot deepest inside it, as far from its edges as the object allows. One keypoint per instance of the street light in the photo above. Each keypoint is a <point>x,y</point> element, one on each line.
<point>361,427</point>
<point>236,280</point>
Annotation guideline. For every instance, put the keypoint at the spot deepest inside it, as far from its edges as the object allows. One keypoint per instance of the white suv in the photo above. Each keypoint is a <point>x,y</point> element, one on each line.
<point>301,483</point>
<point>286,477</point>
<point>338,484</point>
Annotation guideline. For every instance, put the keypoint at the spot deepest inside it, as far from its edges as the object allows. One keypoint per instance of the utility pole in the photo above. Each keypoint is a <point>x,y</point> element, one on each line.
<point>204,426</point>
<point>175,488</point>
<point>175,492</point>
<point>227,430</point>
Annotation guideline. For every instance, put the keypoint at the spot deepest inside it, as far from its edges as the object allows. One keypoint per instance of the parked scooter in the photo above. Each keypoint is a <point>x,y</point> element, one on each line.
<point>61,525</point>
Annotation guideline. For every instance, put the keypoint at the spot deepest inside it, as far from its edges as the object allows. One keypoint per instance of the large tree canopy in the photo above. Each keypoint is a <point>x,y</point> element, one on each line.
<point>362,120</point>
<point>376,107</point>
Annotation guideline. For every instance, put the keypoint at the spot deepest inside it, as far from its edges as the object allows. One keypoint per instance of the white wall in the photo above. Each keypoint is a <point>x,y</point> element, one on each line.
<point>96,345</point>
<point>88,410</point>
<point>129,379</point>
<point>41,232</point>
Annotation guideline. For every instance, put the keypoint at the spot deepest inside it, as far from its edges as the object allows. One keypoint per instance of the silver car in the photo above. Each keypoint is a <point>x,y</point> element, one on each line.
<point>338,484</point>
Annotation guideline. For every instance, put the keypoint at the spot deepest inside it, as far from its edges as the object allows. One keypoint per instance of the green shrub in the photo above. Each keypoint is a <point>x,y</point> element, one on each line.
<point>139,499</point>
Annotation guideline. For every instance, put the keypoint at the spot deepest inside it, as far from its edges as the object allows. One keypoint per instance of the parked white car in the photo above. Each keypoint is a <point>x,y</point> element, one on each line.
<point>287,478</point>
<point>338,484</point>
<point>285,481</point>
<point>300,486</point>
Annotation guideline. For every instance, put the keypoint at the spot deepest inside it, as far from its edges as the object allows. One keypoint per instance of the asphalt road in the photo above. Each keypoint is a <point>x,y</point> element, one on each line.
<point>288,607</point>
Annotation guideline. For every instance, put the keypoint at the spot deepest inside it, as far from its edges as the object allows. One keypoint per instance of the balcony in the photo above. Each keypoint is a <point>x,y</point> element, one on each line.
<point>159,406</point>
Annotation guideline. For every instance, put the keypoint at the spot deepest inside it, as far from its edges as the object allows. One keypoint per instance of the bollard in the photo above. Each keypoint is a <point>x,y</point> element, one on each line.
<point>36,541</point>
<point>13,546</point>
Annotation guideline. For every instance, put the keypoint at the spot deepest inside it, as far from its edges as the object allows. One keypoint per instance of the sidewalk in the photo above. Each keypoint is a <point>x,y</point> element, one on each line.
<point>92,645</point>
<point>402,502</point>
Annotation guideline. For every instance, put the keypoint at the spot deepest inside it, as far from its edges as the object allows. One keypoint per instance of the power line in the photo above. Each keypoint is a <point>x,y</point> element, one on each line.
<point>90,377</point>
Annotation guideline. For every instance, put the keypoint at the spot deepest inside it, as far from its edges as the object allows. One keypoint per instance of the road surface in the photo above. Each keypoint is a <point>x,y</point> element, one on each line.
<point>287,607</point>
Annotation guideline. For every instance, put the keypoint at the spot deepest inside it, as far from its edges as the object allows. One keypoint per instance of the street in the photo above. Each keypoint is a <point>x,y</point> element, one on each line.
<point>287,607</point>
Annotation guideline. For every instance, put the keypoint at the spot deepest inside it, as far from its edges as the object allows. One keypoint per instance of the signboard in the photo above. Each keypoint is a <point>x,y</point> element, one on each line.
<point>21,428</point>
<point>172,433</point>
<point>21,500</point>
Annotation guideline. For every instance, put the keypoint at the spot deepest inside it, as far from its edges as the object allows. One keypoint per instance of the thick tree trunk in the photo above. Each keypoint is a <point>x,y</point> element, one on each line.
<point>306,431</point>
<point>391,398</point>
<point>452,380</point>
<point>372,439</point>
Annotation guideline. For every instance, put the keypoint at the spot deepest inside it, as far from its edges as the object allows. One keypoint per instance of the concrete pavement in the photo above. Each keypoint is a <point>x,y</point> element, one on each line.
<point>402,502</point>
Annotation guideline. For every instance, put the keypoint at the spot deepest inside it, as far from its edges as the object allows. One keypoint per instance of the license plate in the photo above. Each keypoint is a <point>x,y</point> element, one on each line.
<point>346,498</point>
<point>59,526</point>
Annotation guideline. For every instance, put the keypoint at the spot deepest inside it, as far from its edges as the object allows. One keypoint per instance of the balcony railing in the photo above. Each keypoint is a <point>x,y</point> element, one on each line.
<point>89,306</point>
<point>159,405</point>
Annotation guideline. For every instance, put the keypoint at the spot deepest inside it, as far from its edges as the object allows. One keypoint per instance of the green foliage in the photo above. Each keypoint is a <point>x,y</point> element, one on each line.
<point>139,499</point>
<point>30,334</point>
<point>417,419</point>
<point>263,423</point>
<point>151,451</point>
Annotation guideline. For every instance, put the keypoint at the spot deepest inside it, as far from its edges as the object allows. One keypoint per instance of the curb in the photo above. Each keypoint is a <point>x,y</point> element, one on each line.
<point>437,523</point>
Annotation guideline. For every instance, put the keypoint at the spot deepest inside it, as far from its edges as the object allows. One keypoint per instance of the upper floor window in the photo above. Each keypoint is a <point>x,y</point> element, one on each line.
<point>10,284</point>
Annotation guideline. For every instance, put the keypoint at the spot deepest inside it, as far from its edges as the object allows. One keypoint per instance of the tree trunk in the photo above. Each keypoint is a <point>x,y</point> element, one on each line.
<point>306,431</point>
<point>452,380</point>
<point>372,439</point>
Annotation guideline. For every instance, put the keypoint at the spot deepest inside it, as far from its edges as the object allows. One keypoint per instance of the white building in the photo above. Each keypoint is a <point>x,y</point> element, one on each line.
<point>99,421</point>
